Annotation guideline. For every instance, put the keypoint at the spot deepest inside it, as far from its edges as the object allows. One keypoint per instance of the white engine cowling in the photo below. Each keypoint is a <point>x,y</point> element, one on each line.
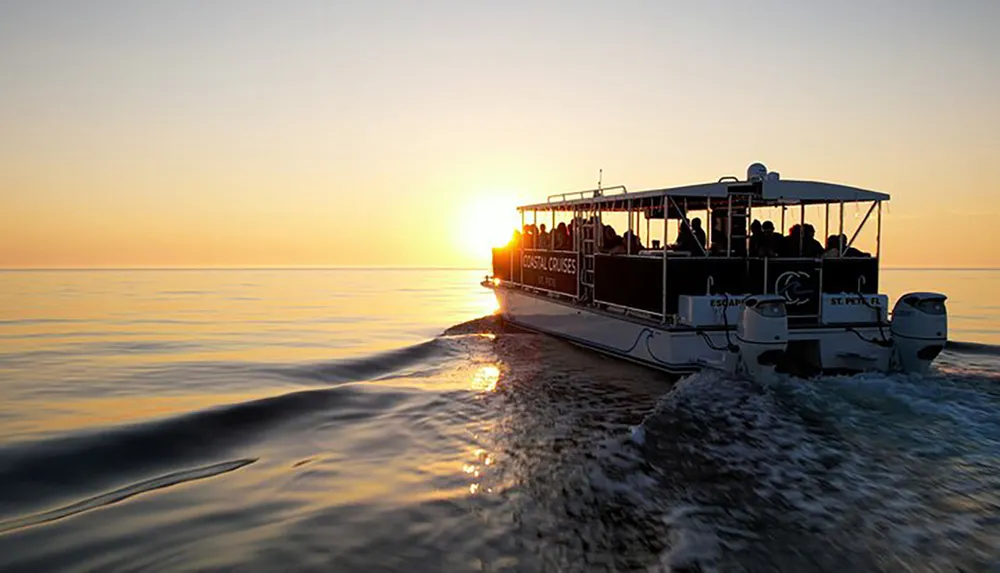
<point>761,336</point>
<point>919,330</point>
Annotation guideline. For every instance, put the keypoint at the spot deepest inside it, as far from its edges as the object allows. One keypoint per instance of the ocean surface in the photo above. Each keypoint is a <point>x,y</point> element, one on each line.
<point>382,420</point>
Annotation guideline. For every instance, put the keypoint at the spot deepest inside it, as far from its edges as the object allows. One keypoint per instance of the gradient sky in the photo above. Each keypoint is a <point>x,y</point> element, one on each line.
<point>191,133</point>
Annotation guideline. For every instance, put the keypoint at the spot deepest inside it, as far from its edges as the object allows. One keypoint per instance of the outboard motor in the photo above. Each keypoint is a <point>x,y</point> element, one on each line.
<point>919,330</point>
<point>761,336</point>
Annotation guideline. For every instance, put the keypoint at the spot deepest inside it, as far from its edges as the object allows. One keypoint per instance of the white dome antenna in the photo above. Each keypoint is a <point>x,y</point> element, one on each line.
<point>756,172</point>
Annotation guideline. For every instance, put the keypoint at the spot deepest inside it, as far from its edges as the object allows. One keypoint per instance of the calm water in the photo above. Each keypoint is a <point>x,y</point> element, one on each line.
<point>345,420</point>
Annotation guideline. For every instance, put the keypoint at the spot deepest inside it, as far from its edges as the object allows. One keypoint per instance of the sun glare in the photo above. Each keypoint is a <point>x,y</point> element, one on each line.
<point>487,222</point>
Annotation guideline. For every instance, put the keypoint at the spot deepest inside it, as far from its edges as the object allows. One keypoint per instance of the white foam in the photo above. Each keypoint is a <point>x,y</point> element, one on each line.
<point>638,435</point>
<point>845,456</point>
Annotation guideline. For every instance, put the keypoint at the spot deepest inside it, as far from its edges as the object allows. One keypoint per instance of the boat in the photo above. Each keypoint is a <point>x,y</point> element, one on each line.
<point>716,299</point>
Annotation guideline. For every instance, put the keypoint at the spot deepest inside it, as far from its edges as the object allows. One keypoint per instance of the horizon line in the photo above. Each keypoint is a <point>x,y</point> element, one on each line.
<point>375,268</point>
<point>249,268</point>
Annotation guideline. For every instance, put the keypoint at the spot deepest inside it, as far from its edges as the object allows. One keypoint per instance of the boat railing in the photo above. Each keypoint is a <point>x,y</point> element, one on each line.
<point>651,286</point>
<point>598,192</point>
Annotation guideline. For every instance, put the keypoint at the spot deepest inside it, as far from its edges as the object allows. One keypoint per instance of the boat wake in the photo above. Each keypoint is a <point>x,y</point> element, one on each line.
<point>124,493</point>
<point>848,473</point>
<point>582,462</point>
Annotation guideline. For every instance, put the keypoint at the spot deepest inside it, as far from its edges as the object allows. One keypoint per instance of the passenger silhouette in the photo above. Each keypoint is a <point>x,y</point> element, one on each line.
<point>611,241</point>
<point>692,239</point>
<point>631,242</point>
<point>790,245</point>
<point>560,238</point>
<point>770,242</point>
<point>699,233</point>
<point>810,246</point>
<point>835,242</point>
<point>720,236</point>
<point>689,238</point>
<point>544,241</point>
<point>755,238</point>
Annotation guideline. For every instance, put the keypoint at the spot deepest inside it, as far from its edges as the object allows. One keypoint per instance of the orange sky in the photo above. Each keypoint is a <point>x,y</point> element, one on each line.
<point>243,134</point>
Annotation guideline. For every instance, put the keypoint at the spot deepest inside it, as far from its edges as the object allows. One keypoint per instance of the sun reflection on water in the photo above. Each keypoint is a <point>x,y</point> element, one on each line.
<point>486,378</point>
<point>477,471</point>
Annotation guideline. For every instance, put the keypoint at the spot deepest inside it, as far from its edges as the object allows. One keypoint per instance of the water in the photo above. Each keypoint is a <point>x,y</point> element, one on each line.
<point>373,420</point>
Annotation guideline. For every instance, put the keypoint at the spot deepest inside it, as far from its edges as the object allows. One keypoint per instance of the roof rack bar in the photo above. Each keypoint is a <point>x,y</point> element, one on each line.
<point>598,192</point>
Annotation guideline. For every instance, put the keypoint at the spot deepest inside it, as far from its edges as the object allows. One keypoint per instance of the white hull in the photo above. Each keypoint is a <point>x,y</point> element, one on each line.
<point>678,350</point>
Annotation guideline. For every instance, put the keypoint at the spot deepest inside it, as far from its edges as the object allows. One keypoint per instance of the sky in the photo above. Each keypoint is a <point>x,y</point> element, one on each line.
<point>403,133</point>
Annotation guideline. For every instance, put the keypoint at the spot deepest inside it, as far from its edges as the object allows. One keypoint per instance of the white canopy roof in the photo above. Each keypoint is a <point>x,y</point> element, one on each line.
<point>771,192</point>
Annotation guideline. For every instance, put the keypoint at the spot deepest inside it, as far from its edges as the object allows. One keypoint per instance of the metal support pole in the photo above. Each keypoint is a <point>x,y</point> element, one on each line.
<point>666,226</point>
<point>649,239</point>
<point>826,226</point>
<point>729,231</point>
<point>841,247</point>
<point>663,254</point>
<point>878,232</point>
<point>598,227</point>
<point>628,241</point>
<point>709,234</point>
<point>520,267</point>
<point>802,226</point>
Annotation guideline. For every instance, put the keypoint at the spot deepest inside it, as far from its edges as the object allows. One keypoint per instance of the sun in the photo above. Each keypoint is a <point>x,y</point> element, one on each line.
<point>487,222</point>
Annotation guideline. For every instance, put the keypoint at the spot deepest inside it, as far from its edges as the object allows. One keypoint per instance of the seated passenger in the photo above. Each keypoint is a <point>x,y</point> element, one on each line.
<point>851,251</point>
<point>832,246</point>
<point>544,240</point>
<point>611,242</point>
<point>691,239</point>
<point>755,238</point>
<point>561,239</point>
<point>720,237</point>
<point>790,245</point>
<point>631,242</point>
<point>528,237</point>
<point>810,246</point>
<point>770,242</point>
<point>684,239</point>
<point>699,233</point>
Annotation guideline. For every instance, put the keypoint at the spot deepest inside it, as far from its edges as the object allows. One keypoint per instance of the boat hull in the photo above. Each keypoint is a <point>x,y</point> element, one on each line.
<point>681,350</point>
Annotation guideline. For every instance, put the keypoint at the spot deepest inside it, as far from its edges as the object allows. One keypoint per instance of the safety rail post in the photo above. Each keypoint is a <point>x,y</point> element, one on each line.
<point>649,235</point>
<point>802,225</point>
<point>663,256</point>
<point>709,230</point>
<point>841,247</point>
<point>826,225</point>
<point>729,230</point>
<point>520,267</point>
<point>628,243</point>
<point>878,232</point>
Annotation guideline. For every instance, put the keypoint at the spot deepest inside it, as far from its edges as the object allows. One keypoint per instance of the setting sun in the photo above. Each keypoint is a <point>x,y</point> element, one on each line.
<point>487,222</point>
